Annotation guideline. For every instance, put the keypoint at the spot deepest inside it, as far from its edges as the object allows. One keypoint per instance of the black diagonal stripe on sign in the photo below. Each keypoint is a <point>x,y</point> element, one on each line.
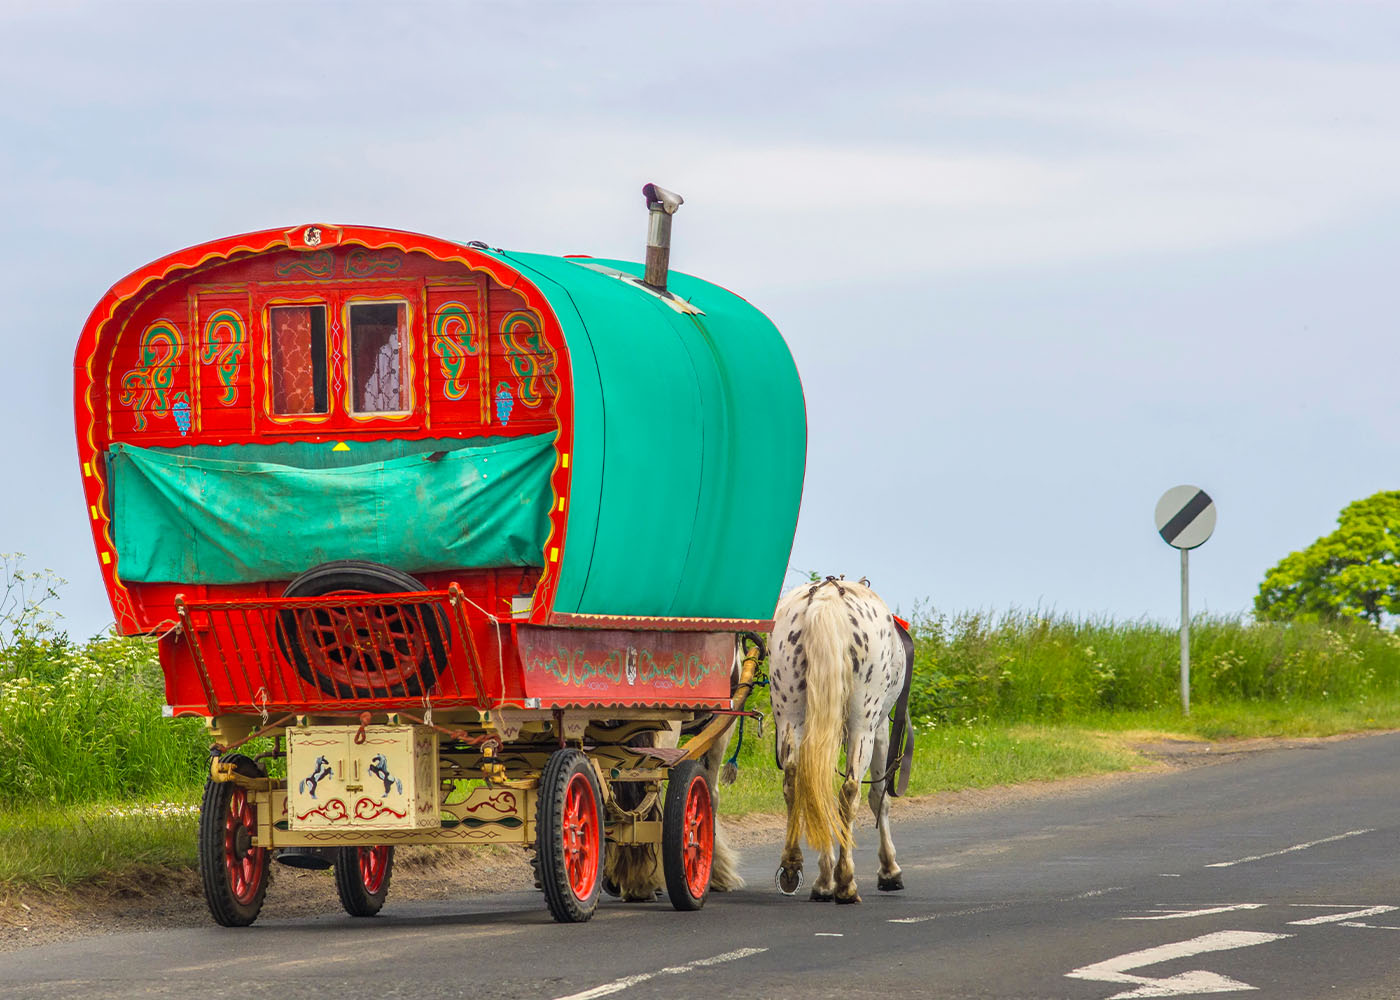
<point>1185,516</point>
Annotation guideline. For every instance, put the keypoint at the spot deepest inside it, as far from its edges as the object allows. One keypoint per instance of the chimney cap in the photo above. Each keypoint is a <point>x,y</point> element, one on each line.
<point>659,198</point>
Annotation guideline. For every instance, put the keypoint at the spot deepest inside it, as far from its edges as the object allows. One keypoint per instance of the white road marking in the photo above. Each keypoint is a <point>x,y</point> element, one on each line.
<point>1164,914</point>
<point>1371,927</point>
<point>1098,892</point>
<point>827,934</point>
<point>1290,850</point>
<point>1116,970</point>
<point>1337,918</point>
<point>205,967</point>
<point>618,985</point>
<point>939,916</point>
<point>1170,875</point>
<point>296,963</point>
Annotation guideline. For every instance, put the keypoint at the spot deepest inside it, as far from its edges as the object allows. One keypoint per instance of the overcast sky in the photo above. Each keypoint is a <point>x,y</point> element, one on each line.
<point>1037,261</point>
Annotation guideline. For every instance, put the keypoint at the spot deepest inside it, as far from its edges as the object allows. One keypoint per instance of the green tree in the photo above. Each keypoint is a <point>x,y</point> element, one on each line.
<point>1353,572</point>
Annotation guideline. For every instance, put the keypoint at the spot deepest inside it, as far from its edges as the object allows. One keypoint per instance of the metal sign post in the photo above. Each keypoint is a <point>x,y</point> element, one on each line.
<point>1185,632</point>
<point>1185,519</point>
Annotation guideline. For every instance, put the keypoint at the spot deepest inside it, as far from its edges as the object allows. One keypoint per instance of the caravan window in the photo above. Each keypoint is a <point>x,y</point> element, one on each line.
<point>298,359</point>
<point>379,367</point>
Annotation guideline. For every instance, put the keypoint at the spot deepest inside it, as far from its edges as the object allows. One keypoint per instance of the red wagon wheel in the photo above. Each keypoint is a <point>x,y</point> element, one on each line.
<point>688,836</point>
<point>570,843</point>
<point>234,872</point>
<point>362,878</point>
<point>351,652</point>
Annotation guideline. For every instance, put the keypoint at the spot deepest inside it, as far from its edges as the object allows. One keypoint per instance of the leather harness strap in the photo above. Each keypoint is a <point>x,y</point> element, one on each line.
<point>899,759</point>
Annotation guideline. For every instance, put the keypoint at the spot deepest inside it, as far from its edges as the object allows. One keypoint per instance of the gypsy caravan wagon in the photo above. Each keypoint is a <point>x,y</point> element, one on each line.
<point>451,527</point>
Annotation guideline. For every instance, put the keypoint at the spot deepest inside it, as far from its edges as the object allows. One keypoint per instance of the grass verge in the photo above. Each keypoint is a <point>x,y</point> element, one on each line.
<point>60,846</point>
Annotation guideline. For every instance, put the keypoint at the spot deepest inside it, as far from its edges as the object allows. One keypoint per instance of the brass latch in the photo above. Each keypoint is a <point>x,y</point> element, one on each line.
<point>491,767</point>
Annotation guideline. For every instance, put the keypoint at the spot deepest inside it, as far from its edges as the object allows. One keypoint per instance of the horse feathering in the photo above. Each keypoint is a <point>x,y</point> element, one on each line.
<point>827,637</point>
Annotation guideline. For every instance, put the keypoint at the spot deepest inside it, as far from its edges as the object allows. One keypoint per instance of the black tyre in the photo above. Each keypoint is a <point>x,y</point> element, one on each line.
<point>233,871</point>
<point>570,840</point>
<point>362,878</point>
<point>390,652</point>
<point>688,836</point>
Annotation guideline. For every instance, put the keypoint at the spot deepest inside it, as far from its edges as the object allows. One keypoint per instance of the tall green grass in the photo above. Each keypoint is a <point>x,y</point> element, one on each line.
<point>1021,666</point>
<point>82,723</point>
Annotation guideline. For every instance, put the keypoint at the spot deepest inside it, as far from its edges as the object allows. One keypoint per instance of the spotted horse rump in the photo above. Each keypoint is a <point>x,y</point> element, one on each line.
<point>839,663</point>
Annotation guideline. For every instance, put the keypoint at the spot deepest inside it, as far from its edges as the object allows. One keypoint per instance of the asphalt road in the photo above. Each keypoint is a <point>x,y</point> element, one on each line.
<point>1278,872</point>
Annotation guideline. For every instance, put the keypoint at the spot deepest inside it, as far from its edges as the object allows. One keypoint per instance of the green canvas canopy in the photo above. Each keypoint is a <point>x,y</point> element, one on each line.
<point>690,438</point>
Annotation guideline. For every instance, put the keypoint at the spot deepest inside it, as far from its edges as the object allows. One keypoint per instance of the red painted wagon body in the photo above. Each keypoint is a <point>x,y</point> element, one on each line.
<point>365,481</point>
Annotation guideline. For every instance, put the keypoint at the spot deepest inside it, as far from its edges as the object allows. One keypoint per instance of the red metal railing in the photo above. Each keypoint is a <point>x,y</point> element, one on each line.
<point>334,652</point>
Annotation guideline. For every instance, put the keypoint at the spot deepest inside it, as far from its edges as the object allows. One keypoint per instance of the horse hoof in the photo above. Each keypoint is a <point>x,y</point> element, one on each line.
<point>892,884</point>
<point>788,882</point>
<point>821,897</point>
<point>852,898</point>
<point>613,889</point>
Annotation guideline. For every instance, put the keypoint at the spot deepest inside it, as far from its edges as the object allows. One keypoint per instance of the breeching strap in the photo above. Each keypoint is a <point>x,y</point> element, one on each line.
<point>900,756</point>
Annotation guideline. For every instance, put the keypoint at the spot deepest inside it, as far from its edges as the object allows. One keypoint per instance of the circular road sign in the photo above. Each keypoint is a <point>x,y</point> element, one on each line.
<point>1185,516</point>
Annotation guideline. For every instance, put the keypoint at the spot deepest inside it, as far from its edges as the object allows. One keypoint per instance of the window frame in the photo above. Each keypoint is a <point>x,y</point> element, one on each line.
<point>406,378</point>
<point>286,302</point>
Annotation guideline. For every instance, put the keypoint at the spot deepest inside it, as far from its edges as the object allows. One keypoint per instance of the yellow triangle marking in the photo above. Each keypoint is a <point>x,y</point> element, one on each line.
<point>342,446</point>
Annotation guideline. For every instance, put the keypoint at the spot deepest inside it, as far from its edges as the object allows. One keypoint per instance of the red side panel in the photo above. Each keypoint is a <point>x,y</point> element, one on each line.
<point>409,652</point>
<point>605,667</point>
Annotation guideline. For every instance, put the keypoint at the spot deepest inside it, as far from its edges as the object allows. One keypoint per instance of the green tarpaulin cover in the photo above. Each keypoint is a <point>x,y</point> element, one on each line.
<point>246,513</point>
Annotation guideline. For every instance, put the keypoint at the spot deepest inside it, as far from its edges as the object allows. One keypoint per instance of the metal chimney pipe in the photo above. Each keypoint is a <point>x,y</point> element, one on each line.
<point>662,204</point>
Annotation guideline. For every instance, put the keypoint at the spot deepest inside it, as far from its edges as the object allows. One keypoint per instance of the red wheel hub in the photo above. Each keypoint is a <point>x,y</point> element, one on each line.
<point>370,647</point>
<point>699,833</point>
<point>374,864</point>
<point>246,865</point>
<point>580,832</point>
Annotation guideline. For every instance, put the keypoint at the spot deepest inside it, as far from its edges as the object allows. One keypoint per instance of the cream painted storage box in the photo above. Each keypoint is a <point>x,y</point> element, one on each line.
<point>387,782</point>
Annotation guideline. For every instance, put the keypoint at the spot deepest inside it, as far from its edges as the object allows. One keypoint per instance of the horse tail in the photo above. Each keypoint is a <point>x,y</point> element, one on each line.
<point>826,638</point>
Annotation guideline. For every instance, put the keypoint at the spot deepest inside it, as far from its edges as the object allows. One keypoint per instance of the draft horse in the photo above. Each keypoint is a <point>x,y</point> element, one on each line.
<point>840,663</point>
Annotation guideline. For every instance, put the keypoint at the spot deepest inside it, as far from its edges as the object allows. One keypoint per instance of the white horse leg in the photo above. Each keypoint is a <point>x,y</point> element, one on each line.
<point>890,877</point>
<point>824,891</point>
<point>858,752</point>
<point>724,877</point>
<point>790,867</point>
<point>845,865</point>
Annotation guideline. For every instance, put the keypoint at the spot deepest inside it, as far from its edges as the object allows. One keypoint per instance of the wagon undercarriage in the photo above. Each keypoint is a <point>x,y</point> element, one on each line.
<point>570,782</point>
